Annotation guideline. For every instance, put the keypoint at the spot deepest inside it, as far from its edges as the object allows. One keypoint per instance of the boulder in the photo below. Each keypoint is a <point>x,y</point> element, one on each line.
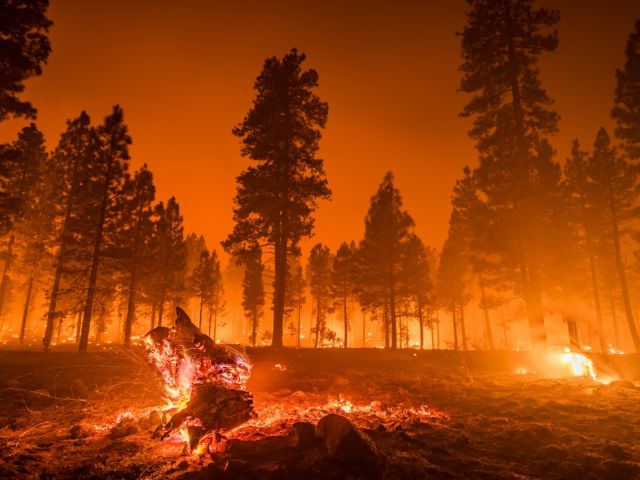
<point>302,435</point>
<point>345,442</point>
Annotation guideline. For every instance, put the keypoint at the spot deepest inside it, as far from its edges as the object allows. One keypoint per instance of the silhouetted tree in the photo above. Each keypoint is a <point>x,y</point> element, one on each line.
<point>587,217</point>
<point>626,110</point>
<point>26,158</point>
<point>74,162</point>
<point>277,197</point>
<point>136,241</point>
<point>167,282</point>
<point>388,229</point>
<point>202,282</point>
<point>501,44</point>
<point>418,274</point>
<point>216,303</point>
<point>319,278</point>
<point>114,158</point>
<point>253,290</point>
<point>35,233</point>
<point>296,286</point>
<point>25,47</point>
<point>343,282</point>
<point>615,186</point>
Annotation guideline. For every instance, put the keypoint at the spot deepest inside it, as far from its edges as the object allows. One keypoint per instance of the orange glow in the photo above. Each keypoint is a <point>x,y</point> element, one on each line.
<point>393,98</point>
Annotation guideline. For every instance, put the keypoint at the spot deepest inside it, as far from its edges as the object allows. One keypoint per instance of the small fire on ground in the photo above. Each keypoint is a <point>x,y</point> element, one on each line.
<point>207,402</point>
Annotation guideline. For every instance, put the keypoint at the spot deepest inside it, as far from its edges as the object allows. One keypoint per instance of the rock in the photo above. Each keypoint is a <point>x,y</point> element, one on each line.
<point>344,441</point>
<point>302,435</point>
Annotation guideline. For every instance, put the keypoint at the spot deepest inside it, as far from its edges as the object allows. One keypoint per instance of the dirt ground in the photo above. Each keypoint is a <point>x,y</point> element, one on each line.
<point>430,415</point>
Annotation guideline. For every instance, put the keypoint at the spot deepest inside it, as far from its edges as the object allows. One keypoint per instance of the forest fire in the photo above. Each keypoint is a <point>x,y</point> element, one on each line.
<point>204,381</point>
<point>579,364</point>
<point>207,401</point>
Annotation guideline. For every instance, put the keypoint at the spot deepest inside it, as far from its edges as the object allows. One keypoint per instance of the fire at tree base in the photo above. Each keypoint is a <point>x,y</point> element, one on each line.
<point>205,382</point>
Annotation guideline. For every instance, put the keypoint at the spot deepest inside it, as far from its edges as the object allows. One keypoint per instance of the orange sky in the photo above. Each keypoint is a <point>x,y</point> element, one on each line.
<point>183,72</point>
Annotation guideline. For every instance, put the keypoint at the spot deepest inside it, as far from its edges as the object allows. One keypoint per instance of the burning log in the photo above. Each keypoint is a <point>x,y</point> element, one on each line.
<point>205,382</point>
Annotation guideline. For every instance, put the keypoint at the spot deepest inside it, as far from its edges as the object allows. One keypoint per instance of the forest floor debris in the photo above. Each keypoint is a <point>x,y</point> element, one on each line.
<point>436,415</point>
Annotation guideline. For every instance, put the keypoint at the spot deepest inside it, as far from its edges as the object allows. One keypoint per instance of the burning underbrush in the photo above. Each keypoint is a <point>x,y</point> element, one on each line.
<point>316,414</point>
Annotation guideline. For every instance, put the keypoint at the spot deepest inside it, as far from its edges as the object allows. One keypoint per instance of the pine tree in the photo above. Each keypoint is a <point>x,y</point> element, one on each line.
<point>216,304</point>
<point>343,282</point>
<point>253,290</point>
<point>419,285</point>
<point>388,229</point>
<point>167,282</point>
<point>74,159</point>
<point>25,47</point>
<point>26,158</point>
<point>501,45</point>
<point>202,282</point>
<point>587,218</point>
<point>136,239</point>
<point>277,197</point>
<point>114,157</point>
<point>296,298</point>
<point>319,277</point>
<point>615,189</point>
<point>626,110</point>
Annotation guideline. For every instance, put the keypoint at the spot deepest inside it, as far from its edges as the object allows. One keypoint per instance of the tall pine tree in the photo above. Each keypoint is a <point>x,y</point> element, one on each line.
<point>276,197</point>
<point>501,44</point>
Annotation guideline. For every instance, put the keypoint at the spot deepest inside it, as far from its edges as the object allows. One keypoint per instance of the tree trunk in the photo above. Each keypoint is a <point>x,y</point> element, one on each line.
<point>153,315</point>
<point>596,289</point>
<point>25,311</point>
<point>279,286</point>
<point>487,321</point>
<point>392,313</point>
<point>160,310</point>
<point>621,274</point>
<point>317,323</point>
<point>254,326</point>
<point>131,304</point>
<point>215,326</point>
<point>438,328</point>
<point>421,324</point>
<point>95,260</point>
<point>4,283</point>
<point>455,327</point>
<point>531,283</point>
<point>614,318</point>
<point>463,331</point>
<point>59,330</point>
<point>200,317</point>
<point>78,325</point>
<point>51,313</point>
<point>133,284</point>
<point>346,321</point>
<point>364,329</point>
<point>533,300</point>
<point>299,321</point>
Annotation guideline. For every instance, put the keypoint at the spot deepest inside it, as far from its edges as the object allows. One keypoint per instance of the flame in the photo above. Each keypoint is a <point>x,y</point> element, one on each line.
<point>579,364</point>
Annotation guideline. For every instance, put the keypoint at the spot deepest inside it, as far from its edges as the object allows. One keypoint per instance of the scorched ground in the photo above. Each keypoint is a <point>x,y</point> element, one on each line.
<point>426,414</point>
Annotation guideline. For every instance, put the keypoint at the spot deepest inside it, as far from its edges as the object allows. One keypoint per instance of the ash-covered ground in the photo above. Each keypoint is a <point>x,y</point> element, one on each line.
<point>419,415</point>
